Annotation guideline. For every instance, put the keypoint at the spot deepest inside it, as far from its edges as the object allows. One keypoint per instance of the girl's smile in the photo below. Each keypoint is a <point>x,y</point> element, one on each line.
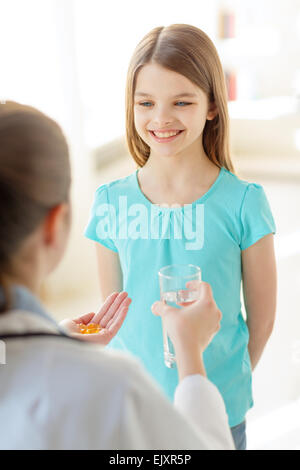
<point>165,135</point>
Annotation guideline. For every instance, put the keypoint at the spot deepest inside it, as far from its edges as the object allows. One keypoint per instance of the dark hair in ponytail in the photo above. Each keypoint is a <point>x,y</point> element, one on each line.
<point>35,176</point>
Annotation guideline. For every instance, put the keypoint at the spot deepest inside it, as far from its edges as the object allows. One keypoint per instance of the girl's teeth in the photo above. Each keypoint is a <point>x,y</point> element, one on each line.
<point>165,134</point>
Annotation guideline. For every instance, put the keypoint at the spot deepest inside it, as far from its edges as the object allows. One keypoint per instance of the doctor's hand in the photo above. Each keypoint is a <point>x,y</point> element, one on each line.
<point>110,318</point>
<point>191,328</point>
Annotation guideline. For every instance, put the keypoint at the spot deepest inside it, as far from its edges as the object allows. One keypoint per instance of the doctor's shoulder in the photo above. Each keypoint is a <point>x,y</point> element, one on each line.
<point>91,366</point>
<point>104,399</point>
<point>92,390</point>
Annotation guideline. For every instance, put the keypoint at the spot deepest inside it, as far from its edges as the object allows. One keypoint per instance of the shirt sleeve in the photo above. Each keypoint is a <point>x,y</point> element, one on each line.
<point>200,402</point>
<point>256,216</point>
<point>101,226</point>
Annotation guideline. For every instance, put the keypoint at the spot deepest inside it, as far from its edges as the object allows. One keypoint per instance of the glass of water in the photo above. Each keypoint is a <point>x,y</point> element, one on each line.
<point>173,291</point>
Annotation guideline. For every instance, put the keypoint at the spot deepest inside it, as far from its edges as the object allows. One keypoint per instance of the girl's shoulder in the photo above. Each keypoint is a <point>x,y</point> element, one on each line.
<point>248,201</point>
<point>116,188</point>
<point>238,189</point>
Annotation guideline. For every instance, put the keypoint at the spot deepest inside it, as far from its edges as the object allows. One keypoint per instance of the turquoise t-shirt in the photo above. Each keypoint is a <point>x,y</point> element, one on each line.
<point>210,233</point>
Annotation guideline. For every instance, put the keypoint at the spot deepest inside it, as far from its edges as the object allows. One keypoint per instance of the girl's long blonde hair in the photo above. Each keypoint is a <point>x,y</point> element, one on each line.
<point>187,50</point>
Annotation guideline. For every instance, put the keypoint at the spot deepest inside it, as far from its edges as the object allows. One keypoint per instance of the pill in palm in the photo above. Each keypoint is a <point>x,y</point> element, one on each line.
<point>89,329</point>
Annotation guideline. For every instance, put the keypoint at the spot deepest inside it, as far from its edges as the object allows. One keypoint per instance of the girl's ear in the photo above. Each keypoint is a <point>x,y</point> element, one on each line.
<point>212,111</point>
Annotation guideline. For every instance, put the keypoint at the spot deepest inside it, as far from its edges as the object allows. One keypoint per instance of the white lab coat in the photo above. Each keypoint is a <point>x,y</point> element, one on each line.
<point>57,393</point>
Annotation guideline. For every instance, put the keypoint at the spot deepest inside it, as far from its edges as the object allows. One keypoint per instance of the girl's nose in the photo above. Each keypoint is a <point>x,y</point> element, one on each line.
<point>162,118</point>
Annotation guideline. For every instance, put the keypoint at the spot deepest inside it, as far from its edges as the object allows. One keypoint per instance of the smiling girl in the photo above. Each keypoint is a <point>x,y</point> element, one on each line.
<point>177,132</point>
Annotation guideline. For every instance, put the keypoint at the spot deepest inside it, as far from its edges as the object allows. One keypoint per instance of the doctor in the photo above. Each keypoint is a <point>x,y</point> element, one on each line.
<point>58,391</point>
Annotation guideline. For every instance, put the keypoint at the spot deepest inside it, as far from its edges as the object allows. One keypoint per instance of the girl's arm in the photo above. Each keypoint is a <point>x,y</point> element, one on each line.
<point>260,288</point>
<point>109,269</point>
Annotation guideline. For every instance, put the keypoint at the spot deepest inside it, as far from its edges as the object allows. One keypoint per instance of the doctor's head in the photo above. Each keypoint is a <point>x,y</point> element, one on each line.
<point>35,178</point>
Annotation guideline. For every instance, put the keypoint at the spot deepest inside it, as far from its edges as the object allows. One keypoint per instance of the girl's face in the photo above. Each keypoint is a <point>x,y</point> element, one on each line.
<point>170,111</point>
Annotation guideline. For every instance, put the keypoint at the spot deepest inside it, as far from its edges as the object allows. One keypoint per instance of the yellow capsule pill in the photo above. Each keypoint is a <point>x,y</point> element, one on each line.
<point>89,329</point>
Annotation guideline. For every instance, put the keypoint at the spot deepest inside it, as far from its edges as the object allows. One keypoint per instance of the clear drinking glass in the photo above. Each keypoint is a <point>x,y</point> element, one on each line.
<point>173,291</point>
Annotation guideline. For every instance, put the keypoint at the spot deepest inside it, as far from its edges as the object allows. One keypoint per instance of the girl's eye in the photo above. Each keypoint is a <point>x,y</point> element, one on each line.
<point>182,103</point>
<point>147,104</point>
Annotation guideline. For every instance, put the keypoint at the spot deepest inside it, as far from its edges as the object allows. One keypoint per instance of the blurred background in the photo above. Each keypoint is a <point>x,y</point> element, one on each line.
<point>69,58</point>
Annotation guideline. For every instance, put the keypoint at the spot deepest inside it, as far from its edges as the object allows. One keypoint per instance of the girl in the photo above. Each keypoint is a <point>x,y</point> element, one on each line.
<point>58,393</point>
<point>185,205</point>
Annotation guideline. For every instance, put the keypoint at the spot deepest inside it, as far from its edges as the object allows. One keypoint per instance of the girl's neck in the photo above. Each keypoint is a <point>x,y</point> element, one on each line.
<point>179,170</point>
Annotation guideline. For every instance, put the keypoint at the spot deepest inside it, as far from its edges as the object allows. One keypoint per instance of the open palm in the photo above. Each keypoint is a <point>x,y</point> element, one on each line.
<point>110,317</point>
